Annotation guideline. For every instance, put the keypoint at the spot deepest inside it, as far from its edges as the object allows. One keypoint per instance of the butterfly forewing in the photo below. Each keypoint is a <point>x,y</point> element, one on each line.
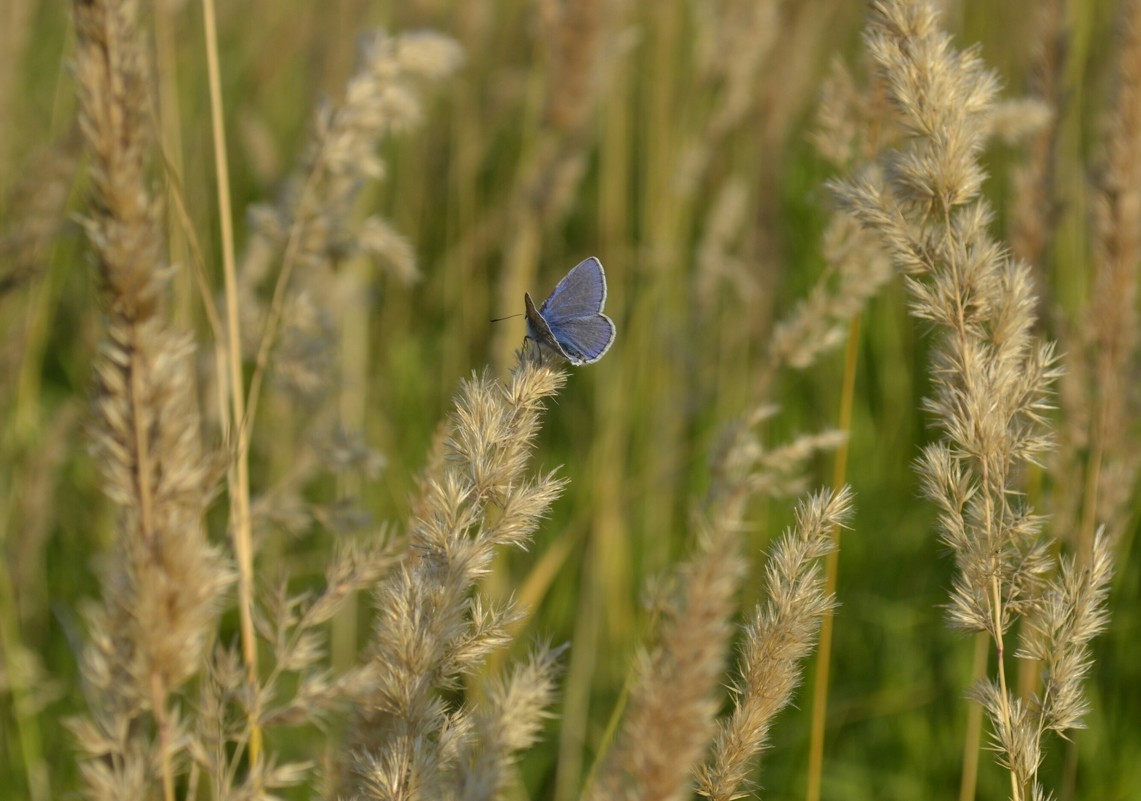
<point>581,293</point>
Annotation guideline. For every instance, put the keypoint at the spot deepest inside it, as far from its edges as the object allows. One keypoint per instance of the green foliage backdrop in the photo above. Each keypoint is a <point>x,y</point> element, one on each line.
<point>686,145</point>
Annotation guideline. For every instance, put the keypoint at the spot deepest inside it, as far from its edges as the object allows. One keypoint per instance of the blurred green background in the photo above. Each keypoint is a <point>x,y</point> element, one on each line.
<point>601,128</point>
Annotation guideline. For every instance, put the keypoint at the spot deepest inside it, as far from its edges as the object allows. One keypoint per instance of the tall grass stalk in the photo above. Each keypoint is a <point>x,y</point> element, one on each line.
<point>831,573</point>
<point>991,380</point>
<point>163,589</point>
<point>239,428</point>
<point>430,629</point>
<point>780,633</point>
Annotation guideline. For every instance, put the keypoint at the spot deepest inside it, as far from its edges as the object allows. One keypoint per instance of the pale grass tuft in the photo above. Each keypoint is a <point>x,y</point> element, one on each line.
<point>1071,612</point>
<point>857,270</point>
<point>163,588</point>
<point>315,224</point>
<point>717,263</point>
<point>509,722</point>
<point>430,628</point>
<point>991,379</point>
<point>778,637</point>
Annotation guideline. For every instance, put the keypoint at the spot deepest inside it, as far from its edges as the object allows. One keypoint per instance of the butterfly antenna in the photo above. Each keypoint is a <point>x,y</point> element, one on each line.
<point>508,317</point>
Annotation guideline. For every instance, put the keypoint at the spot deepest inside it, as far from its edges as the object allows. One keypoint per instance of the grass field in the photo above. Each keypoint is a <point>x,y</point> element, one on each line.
<point>283,514</point>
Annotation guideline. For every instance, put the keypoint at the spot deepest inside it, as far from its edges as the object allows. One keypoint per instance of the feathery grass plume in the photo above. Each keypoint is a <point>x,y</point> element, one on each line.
<point>991,376</point>
<point>296,688</point>
<point>164,584</point>
<point>858,268</point>
<point>849,127</point>
<point>314,222</point>
<point>507,723</point>
<point>717,263</point>
<point>314,227</point>
<point>430,628</point>
<point>850,119</point>
<point>780,634</point>
<point>315,213</point>
<point>1100,390</point>
<point>1071,613</point>
<point>743,466</point>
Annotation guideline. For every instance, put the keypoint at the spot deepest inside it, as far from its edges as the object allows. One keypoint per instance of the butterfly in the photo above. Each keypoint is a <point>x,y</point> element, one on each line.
<point>570,322</point>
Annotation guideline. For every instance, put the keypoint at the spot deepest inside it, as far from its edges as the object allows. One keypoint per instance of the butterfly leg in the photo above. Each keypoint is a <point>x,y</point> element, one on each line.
<point>532,349</point>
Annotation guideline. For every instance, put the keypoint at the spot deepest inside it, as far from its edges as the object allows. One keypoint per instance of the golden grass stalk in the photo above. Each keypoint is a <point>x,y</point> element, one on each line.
<point>163,586</point>
<point>507,723</point>
<point>991,379</point>
<point>430,628</point>
<point>780,634</point>
<point>236,426</point>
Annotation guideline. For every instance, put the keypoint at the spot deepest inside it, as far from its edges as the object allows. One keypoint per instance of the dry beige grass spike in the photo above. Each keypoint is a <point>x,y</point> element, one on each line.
<point>991,379</point>
<point>780,633</point>
<point>163,588</point>
<point>430,629</point>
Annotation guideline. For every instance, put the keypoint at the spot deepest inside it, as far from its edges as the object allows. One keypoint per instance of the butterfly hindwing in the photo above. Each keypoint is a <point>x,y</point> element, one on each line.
<point>585,339</point>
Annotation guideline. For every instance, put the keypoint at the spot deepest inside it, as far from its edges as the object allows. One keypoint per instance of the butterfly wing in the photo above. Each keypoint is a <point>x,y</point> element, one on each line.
<point>540,331</point>
<point>581,293</point>
<point>584,340</point>
<point>570,322</point>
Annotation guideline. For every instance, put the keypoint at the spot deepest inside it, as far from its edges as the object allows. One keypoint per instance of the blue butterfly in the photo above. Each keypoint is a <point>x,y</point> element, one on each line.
<point>570,322</point>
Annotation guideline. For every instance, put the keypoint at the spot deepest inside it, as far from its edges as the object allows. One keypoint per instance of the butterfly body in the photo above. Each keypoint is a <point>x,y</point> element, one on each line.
<point>570,322</point>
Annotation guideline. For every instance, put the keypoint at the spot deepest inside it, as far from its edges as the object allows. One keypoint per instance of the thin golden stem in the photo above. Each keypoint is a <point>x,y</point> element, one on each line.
<point>158,705</point>
<point>996,607</point>
<point>831,569</point>
<point>239,478</point>
<point>972,741</point>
